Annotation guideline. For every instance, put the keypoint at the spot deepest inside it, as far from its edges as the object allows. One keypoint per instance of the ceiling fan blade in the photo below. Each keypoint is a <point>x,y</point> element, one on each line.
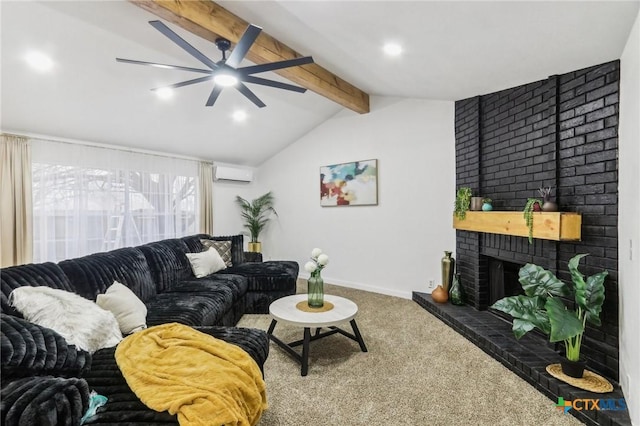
<point>249,94</point>
<point>171,67</point>
<point>183,44</point>
<point>214,95</point>
<point>254,69</point>
<point>185,83</point>
<point>273,83</point>
<point>243,46</point>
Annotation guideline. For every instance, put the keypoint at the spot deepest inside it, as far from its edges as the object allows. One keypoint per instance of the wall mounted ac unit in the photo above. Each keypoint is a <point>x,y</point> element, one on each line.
<point>231,173</point>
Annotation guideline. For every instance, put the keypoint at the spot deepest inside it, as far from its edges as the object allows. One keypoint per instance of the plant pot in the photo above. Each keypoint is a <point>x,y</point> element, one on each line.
<point>440,295</point>
<point>476,203</point>
<point>255,247</point>
<point>487,207</point>
<point>573,368</point>
<point>549,206</point>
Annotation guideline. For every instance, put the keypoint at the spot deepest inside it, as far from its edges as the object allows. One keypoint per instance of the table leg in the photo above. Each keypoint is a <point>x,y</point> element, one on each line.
<point>272,326</point>
<point>363,348</point>
<point>305,351</point>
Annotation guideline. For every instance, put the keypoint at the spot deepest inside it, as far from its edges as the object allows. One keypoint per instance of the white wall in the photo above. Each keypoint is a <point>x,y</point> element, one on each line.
<point>628,226</point>
<point>391,248</point>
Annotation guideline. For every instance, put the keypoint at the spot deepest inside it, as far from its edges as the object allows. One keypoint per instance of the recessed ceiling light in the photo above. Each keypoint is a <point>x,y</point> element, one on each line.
<point>239,116</point>
<point>164,93</point>
<point>392,49</point>
<point>39,61</point>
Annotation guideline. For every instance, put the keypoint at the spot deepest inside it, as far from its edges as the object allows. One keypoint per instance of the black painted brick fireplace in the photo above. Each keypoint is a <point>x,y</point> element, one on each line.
<point>561,133</point>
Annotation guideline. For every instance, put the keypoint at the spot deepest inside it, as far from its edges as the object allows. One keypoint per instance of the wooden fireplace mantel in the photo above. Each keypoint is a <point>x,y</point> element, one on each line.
<point>558,226</point>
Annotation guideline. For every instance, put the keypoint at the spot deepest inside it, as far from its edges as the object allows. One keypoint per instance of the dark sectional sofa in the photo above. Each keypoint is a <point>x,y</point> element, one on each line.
<point>45,381</point>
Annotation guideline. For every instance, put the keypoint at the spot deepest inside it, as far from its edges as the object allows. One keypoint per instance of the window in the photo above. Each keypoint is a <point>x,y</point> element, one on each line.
<point>88,199</point>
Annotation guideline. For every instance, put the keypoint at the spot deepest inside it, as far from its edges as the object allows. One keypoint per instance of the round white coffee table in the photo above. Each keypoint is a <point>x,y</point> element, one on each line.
<point>285,310</point>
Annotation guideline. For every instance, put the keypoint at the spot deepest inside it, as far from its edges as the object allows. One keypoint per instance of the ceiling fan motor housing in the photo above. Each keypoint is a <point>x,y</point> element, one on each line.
<point>223,44</point>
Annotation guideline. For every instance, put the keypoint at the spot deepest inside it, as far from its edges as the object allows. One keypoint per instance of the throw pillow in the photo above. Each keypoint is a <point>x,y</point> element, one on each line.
<point>80,321</point>
<point>205,263</point>
<point>223,248</point>
<point>130,312</point>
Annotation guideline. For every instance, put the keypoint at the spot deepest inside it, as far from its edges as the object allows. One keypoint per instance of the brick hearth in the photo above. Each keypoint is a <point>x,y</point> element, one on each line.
<point>526,357</point>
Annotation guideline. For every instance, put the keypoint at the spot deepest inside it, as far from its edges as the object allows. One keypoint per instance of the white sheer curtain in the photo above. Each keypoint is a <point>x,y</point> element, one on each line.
<point>88,199</point>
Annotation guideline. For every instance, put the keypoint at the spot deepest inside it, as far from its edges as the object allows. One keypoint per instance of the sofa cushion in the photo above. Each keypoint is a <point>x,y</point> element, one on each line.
<point>273,275</point>
<point>237,284</point>
<point>130,312</point>
<point>193,308</point>
<point>168,262</point>
<point>39,274</point>
<point>44,401</point>
<point>93,274</point>
<point>124,407</point>
<point>28,349</point>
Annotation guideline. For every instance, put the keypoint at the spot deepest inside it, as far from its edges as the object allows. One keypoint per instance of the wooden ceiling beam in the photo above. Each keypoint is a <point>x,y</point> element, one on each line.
<point>210,21</point>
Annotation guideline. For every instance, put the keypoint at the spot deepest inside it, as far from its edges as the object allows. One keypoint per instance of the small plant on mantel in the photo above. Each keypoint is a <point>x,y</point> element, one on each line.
<point>532,205</point>
<point>463,202</point>
<point>542,306</point>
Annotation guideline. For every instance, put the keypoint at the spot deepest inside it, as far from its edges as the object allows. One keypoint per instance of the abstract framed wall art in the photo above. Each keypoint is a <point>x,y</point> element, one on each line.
<point>349,184</point>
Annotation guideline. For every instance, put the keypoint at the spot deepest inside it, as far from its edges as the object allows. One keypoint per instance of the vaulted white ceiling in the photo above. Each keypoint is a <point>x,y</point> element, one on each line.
<point>452,50</point>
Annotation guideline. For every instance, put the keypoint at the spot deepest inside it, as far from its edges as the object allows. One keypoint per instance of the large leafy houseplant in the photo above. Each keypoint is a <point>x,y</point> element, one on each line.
<point>542,306</point>
<point>256,214</point>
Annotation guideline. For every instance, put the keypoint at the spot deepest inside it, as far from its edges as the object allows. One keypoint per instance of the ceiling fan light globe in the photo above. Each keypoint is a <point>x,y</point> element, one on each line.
<point>225,80</point>
<point>164,93</point>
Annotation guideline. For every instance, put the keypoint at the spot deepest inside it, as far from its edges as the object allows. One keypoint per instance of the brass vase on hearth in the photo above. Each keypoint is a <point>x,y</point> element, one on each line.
<point>448,267</point>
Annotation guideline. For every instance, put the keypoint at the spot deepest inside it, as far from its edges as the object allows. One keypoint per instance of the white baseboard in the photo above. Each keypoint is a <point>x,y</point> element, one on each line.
<point>364,287</point>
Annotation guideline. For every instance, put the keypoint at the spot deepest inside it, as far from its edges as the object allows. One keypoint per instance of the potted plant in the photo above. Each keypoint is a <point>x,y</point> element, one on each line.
<point>463,202</point>
<point>532,205</point>
<point>256,215</point>
<point>542,307</point>
<point>548,204</point>
<point>486,204</point>
<point>476,204</point>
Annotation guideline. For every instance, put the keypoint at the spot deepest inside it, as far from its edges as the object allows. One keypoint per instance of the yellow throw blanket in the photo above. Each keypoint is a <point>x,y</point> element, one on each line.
<point>204,380</point>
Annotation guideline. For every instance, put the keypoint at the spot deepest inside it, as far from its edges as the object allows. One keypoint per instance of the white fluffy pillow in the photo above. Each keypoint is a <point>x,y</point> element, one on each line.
<point>206,262</point>
<point>123,303</point>
<point>80,321</point>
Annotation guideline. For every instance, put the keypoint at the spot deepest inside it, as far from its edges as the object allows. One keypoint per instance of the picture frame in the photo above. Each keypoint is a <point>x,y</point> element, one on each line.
<point>349,184</point>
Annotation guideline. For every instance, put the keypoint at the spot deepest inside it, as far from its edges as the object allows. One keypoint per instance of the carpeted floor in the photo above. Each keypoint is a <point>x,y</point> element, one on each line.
<point>418,371</point>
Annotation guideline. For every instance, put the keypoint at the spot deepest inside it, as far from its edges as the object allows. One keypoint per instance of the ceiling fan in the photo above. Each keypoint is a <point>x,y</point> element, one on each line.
<point>225,72</point>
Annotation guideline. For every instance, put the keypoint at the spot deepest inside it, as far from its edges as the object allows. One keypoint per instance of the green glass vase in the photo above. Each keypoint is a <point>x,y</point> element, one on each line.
<point>315,291</point>
<point>456,292</point>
